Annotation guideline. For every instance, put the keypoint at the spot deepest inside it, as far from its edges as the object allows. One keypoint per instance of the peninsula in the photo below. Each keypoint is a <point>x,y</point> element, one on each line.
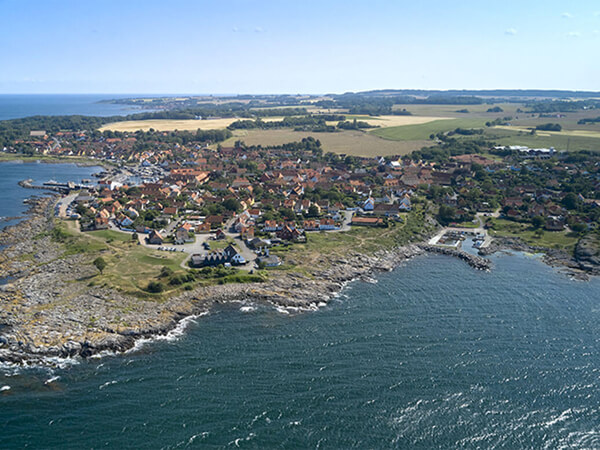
<point>179,220</point>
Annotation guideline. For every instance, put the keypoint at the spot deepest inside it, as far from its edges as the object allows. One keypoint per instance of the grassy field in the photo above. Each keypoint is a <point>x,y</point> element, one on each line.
<point>562,240</point>
<point>305,257</point>
<point>424,130</point>
<point>504,136</point>
<point>171,125</point>
<point>348,142</point>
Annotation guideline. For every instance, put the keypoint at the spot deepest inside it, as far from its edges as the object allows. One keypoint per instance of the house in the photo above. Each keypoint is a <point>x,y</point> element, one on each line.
<point>310,225</point>
<point>258,243</point>
<point>154,238</point>
<point>203,228</point>
<point>369,204</point>
<point>220,235</point>
<point>555,225</point>
<point>289,233</point>
<point>367,221</point>
<point>267,260</point>
<point>272,225</point>
<point>247,233</point>
<point>228,255</point>
<point>182,235</point>
<point>327,224</point>
<point>214,221</point>
<point>100,223</point>
<point>405,203</point>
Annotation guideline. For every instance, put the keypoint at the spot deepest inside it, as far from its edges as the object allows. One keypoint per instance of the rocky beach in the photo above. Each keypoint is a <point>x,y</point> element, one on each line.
<point>49,309</point>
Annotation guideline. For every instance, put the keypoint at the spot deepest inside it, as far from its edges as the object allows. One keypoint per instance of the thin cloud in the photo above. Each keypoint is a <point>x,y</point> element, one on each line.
<point>510,31</point>
<point>566,15</point>
<point>574,34</point>
<point>259,30</point>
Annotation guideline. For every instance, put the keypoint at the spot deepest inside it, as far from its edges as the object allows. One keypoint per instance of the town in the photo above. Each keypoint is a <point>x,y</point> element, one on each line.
<point>232,206</point>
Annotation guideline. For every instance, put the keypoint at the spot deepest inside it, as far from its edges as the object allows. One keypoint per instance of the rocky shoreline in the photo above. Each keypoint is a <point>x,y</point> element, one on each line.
<point>48,313</point>
<point>584,263</point>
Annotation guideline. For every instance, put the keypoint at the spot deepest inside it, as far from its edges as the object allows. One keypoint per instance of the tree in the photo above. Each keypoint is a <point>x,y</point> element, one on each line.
<point>232,204</point>
<point>570,201</point>
<point>100,264</point>
<point>313,211</point>
<point>538,222</point>
<point>579,227</point>
<point>446,214</point>
<point>155,287</point>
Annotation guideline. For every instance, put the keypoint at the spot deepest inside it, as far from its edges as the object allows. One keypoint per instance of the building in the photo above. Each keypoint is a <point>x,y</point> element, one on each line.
<point>367,221</point>
<point>154,238</point>
<point>229,255</point>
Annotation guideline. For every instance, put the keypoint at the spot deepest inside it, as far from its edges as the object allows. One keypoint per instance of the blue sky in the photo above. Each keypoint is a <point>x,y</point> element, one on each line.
<point>243,46</point>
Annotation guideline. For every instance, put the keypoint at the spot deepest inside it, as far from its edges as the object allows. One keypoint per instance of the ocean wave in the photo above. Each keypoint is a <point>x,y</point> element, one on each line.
<point>4,388</point>
<point>171,336</point>
<point>52,379</point>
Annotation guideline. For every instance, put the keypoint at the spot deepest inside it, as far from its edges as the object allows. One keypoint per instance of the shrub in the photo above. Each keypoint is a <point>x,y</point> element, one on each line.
<point>155,287</point>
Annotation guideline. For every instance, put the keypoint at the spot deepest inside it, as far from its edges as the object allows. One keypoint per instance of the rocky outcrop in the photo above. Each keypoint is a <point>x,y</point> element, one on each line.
<point>587,254</point>
<point>477,262</point>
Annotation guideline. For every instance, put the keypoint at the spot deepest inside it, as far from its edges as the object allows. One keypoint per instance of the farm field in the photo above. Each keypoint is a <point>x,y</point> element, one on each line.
<point>424,130</point>
<point>170,125</point>
<point>503,136</point>
<point>393,121</point>
<point>348,142</point>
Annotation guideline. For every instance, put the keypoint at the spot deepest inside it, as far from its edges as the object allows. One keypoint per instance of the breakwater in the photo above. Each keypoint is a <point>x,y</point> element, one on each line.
<point>474,261</point>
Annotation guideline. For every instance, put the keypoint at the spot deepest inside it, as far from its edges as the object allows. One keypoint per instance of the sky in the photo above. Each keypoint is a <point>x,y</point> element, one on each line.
<point>291,47</point>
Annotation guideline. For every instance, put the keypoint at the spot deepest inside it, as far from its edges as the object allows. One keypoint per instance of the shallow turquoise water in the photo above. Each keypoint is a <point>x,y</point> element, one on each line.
<point>435,355</point>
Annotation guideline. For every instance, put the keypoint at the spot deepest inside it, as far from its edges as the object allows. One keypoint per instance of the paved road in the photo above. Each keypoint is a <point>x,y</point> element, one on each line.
<point>63,203</point>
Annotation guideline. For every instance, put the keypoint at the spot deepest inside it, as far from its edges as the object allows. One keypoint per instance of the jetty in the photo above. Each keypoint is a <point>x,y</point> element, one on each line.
<point>63,188</point>
<point>474,261</point>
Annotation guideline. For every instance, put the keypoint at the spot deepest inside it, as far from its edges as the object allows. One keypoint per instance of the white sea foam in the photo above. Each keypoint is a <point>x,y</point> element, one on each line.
<point>4,388</point>
<point>52,380</point>
<point>171,336</point>
<point>247,309</point>
<point>108,383</point>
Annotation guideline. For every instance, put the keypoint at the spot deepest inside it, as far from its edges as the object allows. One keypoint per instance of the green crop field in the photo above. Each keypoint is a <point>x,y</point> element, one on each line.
<point>424,130</point>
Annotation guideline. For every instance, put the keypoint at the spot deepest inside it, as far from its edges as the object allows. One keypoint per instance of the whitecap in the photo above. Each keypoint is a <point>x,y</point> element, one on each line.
<point>4,388</point>
<point>52,380</point>
<point>171,336</point>
<point>108,383</point>
<point>247,309</point>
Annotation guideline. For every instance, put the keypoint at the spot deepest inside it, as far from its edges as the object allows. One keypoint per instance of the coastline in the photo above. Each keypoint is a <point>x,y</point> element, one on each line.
<point>40,325</point>
<point>78,161</point>
<point>571,265</point>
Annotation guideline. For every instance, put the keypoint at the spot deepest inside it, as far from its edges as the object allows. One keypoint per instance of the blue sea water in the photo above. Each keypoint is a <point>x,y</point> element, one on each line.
<point>435,355</point>
<point>13,106</point>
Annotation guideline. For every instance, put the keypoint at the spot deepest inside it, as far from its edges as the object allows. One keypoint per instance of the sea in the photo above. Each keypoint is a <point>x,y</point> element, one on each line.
<point>433,355</point>
<point>14,106</point>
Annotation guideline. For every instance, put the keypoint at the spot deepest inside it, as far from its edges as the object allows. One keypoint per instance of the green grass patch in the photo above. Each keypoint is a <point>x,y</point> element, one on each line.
<point>560,240</point>
<point>424,130</point>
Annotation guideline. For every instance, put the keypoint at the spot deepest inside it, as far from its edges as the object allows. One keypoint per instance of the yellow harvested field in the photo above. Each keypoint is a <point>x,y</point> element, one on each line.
<point>397,121</point>
<point>349,142</point>
<point>170,125</point>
